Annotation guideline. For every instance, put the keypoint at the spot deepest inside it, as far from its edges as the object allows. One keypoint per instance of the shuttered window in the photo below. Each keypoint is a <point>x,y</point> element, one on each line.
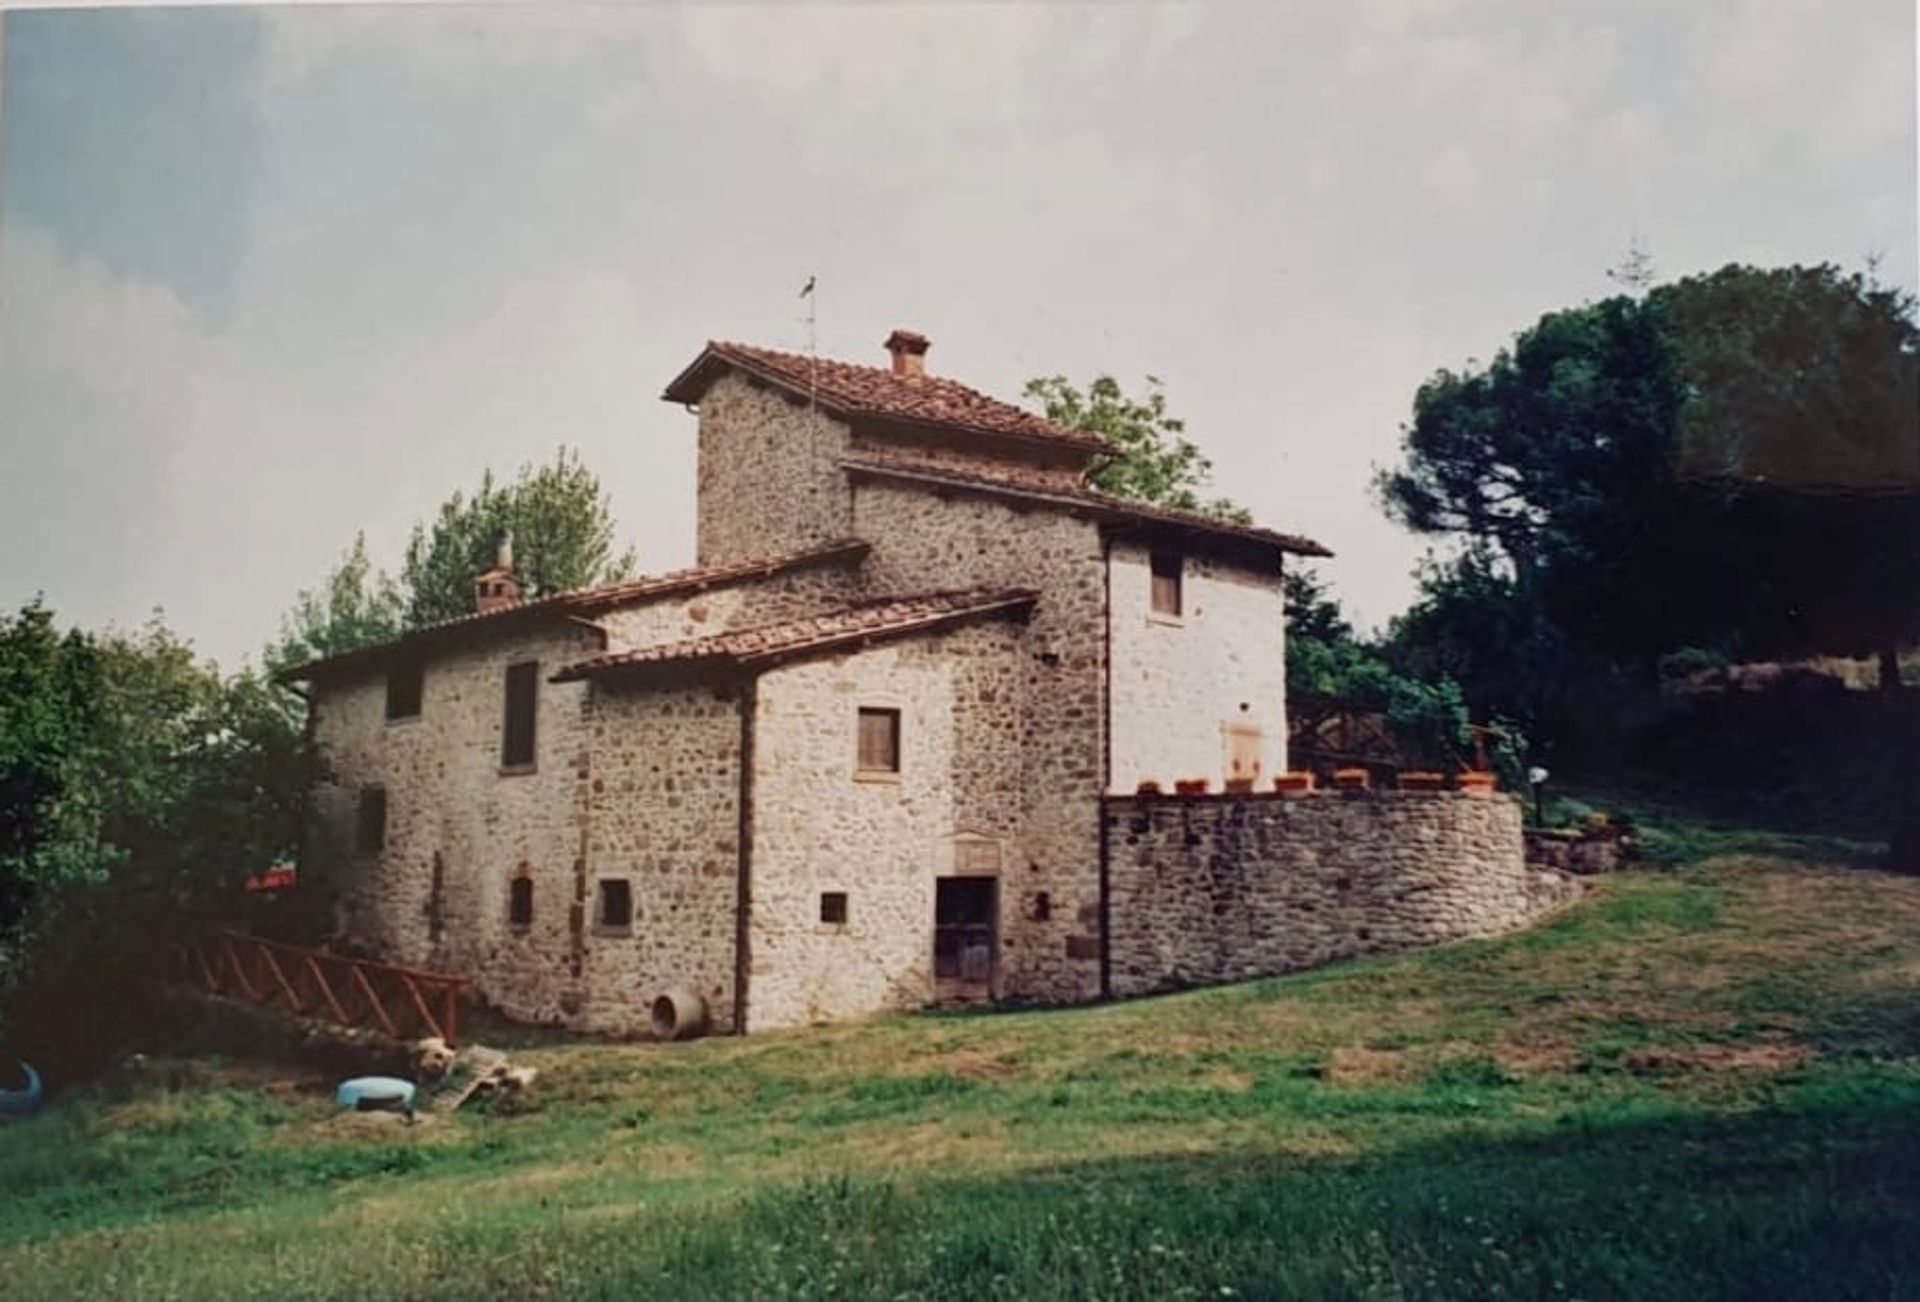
<point>1166,583</point>
<point>879,741</point>
<point>516,743</point>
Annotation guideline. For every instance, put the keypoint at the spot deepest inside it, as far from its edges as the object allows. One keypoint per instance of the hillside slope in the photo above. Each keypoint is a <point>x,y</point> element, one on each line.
<point>1698,1082</point>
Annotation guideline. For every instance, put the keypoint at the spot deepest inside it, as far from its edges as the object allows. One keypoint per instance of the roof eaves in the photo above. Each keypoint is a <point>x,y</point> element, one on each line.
<point>1088,502</point>
<point>712,653</point>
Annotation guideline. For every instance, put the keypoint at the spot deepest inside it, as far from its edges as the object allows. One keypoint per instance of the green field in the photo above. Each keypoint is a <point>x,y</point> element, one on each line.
<point>1702,1081</point>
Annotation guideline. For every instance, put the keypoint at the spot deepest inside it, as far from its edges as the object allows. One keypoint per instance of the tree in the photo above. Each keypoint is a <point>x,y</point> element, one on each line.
<point>1674,468</point>
<point>561,524</point>
<point>356,606</point>
<point>1157,463</point>
<point>138,789</point>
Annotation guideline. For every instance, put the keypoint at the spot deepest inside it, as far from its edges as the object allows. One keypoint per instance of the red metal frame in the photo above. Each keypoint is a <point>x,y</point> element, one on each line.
<point>402,1002</point>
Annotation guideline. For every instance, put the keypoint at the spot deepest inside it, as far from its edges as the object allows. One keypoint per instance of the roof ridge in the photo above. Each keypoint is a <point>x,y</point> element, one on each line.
<point>849,388</point>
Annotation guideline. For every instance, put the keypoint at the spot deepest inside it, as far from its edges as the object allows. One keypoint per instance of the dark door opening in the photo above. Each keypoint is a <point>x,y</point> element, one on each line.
<point>964,936</point>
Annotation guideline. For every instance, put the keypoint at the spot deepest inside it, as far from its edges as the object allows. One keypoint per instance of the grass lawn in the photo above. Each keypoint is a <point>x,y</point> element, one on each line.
<point>1702,1081</point>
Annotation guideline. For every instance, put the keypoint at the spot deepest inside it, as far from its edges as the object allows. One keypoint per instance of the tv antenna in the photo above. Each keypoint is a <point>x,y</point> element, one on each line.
<point>813,342</point>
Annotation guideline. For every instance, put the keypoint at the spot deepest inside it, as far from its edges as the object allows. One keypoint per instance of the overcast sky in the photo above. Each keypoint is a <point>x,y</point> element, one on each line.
<point>272,276</point>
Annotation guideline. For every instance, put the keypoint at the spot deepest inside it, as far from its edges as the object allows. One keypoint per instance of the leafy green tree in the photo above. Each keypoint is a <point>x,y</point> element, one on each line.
<point>356,606</point>
<point>561,525</point>
<point>1679,467</point>
<point>1157,463</point>
<point>138,789</point>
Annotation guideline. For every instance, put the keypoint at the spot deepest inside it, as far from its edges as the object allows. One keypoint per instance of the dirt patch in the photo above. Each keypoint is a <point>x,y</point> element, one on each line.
<point>1537,1059</point>
<point>1766,1058</point>
<point>1227,1080</point>
<point>978,1065</point>
<point>375,1128</point>
<point>1353,1065</point>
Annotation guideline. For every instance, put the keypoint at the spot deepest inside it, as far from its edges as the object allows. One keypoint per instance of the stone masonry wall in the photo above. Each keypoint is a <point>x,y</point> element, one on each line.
<point>820,826</point>
<point>770,480</point>
<point>1183,688</point>
<point>926,540</point>
<point>1029,463</point>
<point>792,595</point>
<point>447,796</point>
<point>1213,889</point>
<point>663,814</point>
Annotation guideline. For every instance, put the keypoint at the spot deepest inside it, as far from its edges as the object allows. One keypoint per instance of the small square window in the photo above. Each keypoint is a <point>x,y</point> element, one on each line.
<point>520,902</point>
<point>616,902</point>
<point>879,741</point>
<point>1166,583</point>
<point>372,833</point>
<point>406,684</point>
<point>833,908</point>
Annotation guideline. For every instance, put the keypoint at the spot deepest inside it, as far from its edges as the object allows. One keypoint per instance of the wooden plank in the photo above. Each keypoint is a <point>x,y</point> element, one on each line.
<point>373,1001</point>
<point>286,987</point>
<point>240,971</point>
<point>420,1006</point>
<point>207,972</point>
<point>326,989</point>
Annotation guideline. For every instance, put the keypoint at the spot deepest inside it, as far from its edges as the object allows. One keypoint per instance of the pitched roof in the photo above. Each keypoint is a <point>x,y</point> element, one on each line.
<point>844,389</point>
<point>853,625</point>
<point>1101,506</point>
<point>584,601</point>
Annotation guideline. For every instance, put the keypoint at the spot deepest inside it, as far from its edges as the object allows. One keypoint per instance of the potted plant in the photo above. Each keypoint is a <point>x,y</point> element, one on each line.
<point>1294,784</point>
<point>1191,786</point>
<point>1352,779</point>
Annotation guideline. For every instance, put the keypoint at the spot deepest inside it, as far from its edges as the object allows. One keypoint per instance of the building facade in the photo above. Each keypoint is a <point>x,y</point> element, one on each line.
<point>853,761</point>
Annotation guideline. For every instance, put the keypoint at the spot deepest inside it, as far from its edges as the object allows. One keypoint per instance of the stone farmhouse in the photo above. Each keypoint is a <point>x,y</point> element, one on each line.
<point>879,748</point>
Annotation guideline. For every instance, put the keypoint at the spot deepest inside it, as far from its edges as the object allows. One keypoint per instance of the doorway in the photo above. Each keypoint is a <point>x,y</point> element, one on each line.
<point>965,939</point>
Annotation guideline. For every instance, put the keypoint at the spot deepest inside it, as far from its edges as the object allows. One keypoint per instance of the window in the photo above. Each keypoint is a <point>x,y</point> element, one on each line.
<point>879,741</point>
<point>833,908</point>
<point>405,685</point>
<point>1166,583</point>
<point>516,742</point>
<point>520,902</point>
<point>616,903</point>
<point>372,836</point>
<point>437,900</point>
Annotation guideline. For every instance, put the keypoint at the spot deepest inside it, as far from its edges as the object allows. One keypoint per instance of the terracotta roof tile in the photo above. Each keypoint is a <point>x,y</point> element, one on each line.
<point>847,389</point>
<point>1104,506</point>
<point>581,601</point>
<point>863,622</point>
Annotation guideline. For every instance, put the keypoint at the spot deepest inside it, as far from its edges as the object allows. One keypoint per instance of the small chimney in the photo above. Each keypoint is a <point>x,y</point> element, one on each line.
<point>497,588</point>
<point>909,350</point>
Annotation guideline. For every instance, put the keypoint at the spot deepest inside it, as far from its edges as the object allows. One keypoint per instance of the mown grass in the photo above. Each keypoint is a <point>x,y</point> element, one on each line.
<point>1702,1081</point>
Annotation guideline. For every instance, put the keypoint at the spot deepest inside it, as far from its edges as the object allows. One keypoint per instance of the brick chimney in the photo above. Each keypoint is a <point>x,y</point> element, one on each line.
<point>909,350</point>
<point>497,588</point>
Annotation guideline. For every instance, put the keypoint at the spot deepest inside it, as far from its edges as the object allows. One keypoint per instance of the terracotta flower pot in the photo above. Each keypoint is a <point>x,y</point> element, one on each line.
<point>1296,784</point>
<point>1192,786</point>
<point>1420,781</point>
<point>1147,788</point>
<point>1352,779</point>
<point>1477,783</point>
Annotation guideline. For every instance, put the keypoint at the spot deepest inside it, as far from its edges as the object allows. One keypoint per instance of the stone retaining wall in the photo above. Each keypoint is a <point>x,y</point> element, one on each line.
<point>1209,889</point>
